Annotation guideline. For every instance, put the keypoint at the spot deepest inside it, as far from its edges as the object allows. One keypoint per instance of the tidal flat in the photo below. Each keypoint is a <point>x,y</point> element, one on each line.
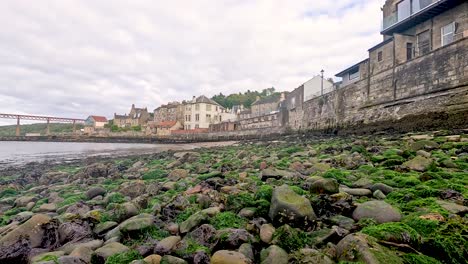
<point>366,199</point>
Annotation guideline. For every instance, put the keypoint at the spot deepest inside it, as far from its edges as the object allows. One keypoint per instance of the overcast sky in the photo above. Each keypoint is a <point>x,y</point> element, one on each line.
<point>76,58</point>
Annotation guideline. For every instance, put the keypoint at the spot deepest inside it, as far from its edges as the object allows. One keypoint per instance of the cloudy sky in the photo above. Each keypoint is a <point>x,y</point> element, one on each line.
<point>74,58</point>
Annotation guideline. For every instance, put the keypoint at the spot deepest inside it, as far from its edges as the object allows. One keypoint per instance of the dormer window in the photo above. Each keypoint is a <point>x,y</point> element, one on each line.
<point>354,73</point>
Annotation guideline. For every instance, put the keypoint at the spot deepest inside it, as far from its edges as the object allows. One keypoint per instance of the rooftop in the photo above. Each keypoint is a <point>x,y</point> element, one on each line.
<point>340,74</point>
<point>166,124</point>
<point>99,118</point>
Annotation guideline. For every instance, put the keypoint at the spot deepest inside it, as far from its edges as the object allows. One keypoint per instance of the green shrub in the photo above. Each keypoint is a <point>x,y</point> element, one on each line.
<point>124,258</point>
<point>72,199</point>
<point>394,232</point>
<point>191,247</point>
<point>156,174</point>
<point>116,197</point>
<point>238,201</point>
<point>291,239</point>
<point>412,258</point>
<point>264,192</point>
<point>8,192</point>
<point>228,220</point>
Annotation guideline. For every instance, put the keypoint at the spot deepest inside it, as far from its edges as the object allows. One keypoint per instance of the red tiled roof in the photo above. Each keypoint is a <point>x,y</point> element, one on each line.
<point>99,118</point>
<point>167,124</point>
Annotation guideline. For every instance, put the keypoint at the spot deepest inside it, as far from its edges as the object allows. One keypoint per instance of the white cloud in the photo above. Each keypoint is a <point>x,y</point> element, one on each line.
<point>75,58</point>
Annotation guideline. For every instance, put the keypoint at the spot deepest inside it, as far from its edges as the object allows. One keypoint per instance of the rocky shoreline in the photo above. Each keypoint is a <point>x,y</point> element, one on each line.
<point>375,199</point>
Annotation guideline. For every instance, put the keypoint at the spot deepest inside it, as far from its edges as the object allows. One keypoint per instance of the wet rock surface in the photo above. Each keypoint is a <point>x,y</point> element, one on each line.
<point>379,199</point>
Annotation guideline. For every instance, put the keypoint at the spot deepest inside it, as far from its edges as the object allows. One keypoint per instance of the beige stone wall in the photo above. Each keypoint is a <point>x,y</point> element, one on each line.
<point>435,83</point>
<point>386,63</point>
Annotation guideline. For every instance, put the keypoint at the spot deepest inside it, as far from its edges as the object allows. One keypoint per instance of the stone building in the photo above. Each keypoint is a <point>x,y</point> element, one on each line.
<point>165,128</point>
<point>97,122</point>
<point>201,112</point>
<point>267,105</point>
<point>417,77</point>
<point>173,111</point>
<point>411,29</point>
<point>225,126</point>
<point>136,117</point>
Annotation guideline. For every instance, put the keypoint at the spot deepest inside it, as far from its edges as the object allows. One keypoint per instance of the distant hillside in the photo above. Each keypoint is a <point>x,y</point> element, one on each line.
<point>37,128</point>
<point>245,99</point>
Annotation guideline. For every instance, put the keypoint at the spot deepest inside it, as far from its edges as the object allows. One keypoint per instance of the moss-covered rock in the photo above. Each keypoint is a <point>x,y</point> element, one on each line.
<point>289,207</point>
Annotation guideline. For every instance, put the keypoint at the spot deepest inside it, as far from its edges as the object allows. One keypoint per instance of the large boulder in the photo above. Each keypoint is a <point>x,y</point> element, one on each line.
<point>95,191</point>
<point>308,255</point>
<point>108,250</point>
<point>166,245</point>
<point>48,207</point>
<point>187,156</point>
<point>356,191</point>
<point>24,200</point>
<point>16,245</point>
<point>229,257</point>
<point>177,174</point>
<point>273,173</point>
<point>289,207</point>
<point>419,163</point>
<point>204,235</point>
<point>31,230</point>
<point>380,211</point>
<point>133,188</point>
<point>72,231</point>
<point>325,186</point>
<point>136,223</point>
<point>193,221</point>
<point>362,248</point>
<point>274,255</point>
<point>231,238</point>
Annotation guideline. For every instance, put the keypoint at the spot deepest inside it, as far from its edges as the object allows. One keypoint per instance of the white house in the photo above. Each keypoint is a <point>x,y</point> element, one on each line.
<point>96,121</point>
<point>313,87</point>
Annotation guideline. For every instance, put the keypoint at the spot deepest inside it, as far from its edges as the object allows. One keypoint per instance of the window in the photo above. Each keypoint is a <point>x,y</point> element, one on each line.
<point>208,118</point>
<point>409,51</point>
<point>220,118</point>
<point>379,56</point>
<point>424,42</point>
<point>197,117</point>
<point>197,126</point>
<point>208,107</point>
<point>404,9</point>
<point>197,107</point>
<point>354,73</point>
<point>447,34</point>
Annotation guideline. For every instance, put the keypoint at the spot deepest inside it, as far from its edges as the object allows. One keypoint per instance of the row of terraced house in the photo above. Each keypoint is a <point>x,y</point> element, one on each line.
<point>420,67</point>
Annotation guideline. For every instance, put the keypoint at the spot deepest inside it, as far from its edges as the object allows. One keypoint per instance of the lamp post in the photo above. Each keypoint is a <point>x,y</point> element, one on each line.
<point>321,87</point>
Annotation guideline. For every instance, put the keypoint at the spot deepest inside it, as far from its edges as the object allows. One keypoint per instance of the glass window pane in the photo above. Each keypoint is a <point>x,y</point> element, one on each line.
<point>404,9</point>
<point>424,3</point>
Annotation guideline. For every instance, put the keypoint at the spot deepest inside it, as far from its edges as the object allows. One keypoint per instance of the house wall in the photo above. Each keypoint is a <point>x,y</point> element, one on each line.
<point>427,91</point>
<point>313,87</point>
<point>167,113</point>
<point>100,124</point>
<point>386,63</point>
<point>203,122</point>
<point>363,70</point>
<point>294,103</point>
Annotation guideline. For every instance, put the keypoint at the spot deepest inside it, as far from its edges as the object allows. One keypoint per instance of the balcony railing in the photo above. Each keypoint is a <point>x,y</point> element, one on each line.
<point>406,9</point>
